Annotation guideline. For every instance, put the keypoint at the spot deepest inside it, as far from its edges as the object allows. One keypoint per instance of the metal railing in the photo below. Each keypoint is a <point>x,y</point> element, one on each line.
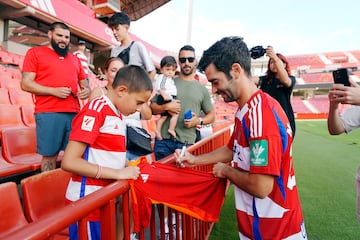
<point>105,199</point>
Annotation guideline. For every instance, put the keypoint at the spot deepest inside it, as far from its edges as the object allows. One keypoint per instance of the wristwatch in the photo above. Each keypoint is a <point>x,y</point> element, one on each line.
<point>201,121</point>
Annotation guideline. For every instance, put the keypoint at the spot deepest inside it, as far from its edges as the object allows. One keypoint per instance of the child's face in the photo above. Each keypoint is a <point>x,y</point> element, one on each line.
<point>129,103</point>
<point>120,32</point>
<point>114,67</point>
<point>168,71</point>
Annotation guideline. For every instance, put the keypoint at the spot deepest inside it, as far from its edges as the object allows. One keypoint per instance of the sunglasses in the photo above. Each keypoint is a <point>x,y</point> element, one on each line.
<point>190,59</point>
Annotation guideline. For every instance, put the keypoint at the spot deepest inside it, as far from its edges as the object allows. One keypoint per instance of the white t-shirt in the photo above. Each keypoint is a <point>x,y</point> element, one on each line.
<point>166,83</point>
<point>139,56</point>
<point>350,118</point>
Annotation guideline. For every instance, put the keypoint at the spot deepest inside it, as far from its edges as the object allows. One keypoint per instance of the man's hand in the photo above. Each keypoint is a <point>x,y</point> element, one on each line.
<point>174,106</point>
<point>185,160</point>
<point>219,169</point>
<point>84,93</point>
<point>61,92</point>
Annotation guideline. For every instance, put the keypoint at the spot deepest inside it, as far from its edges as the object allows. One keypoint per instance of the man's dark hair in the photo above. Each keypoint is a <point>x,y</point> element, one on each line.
<point>58,25</point>
<point>187,48</point>
<point>135,78</point>
<point>224,53</point>
<point>118,18</point>
<point>168,61</point>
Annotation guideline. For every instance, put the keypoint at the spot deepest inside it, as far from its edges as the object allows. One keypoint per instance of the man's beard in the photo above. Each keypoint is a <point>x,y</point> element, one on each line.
<point>187,72</point>
<point>61,51</point>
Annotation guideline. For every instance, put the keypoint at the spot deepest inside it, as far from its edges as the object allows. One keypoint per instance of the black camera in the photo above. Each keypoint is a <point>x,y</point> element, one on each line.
<point>257,51</point>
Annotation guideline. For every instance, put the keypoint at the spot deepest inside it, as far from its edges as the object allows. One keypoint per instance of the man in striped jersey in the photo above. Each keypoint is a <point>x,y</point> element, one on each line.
<point>267,201</point>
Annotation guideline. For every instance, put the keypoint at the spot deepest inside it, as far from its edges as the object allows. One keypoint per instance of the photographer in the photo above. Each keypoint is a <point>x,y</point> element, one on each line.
<point>277,81</point>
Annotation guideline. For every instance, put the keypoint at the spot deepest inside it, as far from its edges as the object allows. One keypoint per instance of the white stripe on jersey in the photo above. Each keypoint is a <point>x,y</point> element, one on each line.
<point>106,158</point>
<point>73,192</point>
<point>266,208</point>
<point>255,116</point>
<point>97,104</point>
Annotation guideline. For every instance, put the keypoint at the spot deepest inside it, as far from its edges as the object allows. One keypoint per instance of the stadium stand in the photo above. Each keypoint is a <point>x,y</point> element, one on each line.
<point>299,106</point>
<point>317,77</point>
<point>311,60</point>
<point>11,212</point>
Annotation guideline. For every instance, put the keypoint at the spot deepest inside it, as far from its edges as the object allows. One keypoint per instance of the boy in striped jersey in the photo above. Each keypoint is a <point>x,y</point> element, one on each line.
<point>266,196</point>
<point>96,152</point>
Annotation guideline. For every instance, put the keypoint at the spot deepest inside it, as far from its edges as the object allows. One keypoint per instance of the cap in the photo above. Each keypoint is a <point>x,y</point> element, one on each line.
<point>81,42</point>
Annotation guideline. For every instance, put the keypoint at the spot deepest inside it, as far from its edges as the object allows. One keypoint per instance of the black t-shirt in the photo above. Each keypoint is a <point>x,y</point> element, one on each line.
<point>282,94</point>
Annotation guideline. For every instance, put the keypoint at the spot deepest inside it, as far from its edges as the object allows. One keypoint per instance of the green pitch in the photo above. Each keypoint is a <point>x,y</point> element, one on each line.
<point>325,168</point>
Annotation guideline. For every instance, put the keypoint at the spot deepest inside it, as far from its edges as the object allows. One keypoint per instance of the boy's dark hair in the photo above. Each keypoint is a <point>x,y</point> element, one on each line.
<point>135,78</point>
<point>168,61</point>
<point>58,25</point>
<point>224,53</point>
<point>187,48</point>
<point>118,18</point>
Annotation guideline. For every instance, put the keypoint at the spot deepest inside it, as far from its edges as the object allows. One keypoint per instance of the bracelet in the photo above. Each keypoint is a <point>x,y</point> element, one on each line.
<point>98,173</point>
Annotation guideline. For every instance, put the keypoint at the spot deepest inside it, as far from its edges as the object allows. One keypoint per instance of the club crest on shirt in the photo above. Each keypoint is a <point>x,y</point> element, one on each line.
<point>145,177</point>
<point>87,123</point>
<point>259,153</point>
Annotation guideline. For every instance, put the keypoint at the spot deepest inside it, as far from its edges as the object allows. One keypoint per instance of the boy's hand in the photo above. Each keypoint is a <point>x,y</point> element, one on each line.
<point>130,172</point>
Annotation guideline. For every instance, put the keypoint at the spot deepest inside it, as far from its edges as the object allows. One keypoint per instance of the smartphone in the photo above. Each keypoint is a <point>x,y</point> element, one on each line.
<point>341,76</point>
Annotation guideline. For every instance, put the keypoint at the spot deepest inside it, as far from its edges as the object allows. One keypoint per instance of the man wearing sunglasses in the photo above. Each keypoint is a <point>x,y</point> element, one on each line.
<point>193,96</point>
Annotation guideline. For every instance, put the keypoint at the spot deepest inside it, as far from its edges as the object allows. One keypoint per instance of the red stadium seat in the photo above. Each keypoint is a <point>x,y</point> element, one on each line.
<point>10,116</point>
<point>19,146</point>
<point>10,169</point>
<point>12,216</point>
<point>27,114</point>
<point>18,96</point>
<point>44,194</point>
<point>4,96</point>
<point>9,82</point>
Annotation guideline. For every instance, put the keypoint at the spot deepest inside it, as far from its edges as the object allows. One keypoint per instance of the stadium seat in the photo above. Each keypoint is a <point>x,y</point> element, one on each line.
<point>9,82</point>
<point>44,194</point>
<point>10,169</point>
<point>12,216</point>
<point>19,146</point>
<point>27,114</point>
<point>18,96</point>
<point>10,116</point>
<point>4,96</point>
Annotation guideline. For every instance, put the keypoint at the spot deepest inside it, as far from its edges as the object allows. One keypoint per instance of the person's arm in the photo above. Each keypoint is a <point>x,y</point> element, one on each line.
<point>73,162</point>
<point>281,72</point>
<point>152,74</point>
<point>258,185</point>
<point>29,84</point>
<point>84,89</point>
<point>145,112</point>
<point>223,155</point>
<point>196,120</point>
<point>334,124</point>
<point>173,106</point>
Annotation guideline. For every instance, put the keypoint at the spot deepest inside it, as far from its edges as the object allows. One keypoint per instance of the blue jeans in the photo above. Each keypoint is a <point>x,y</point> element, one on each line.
<point>165,147</point>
